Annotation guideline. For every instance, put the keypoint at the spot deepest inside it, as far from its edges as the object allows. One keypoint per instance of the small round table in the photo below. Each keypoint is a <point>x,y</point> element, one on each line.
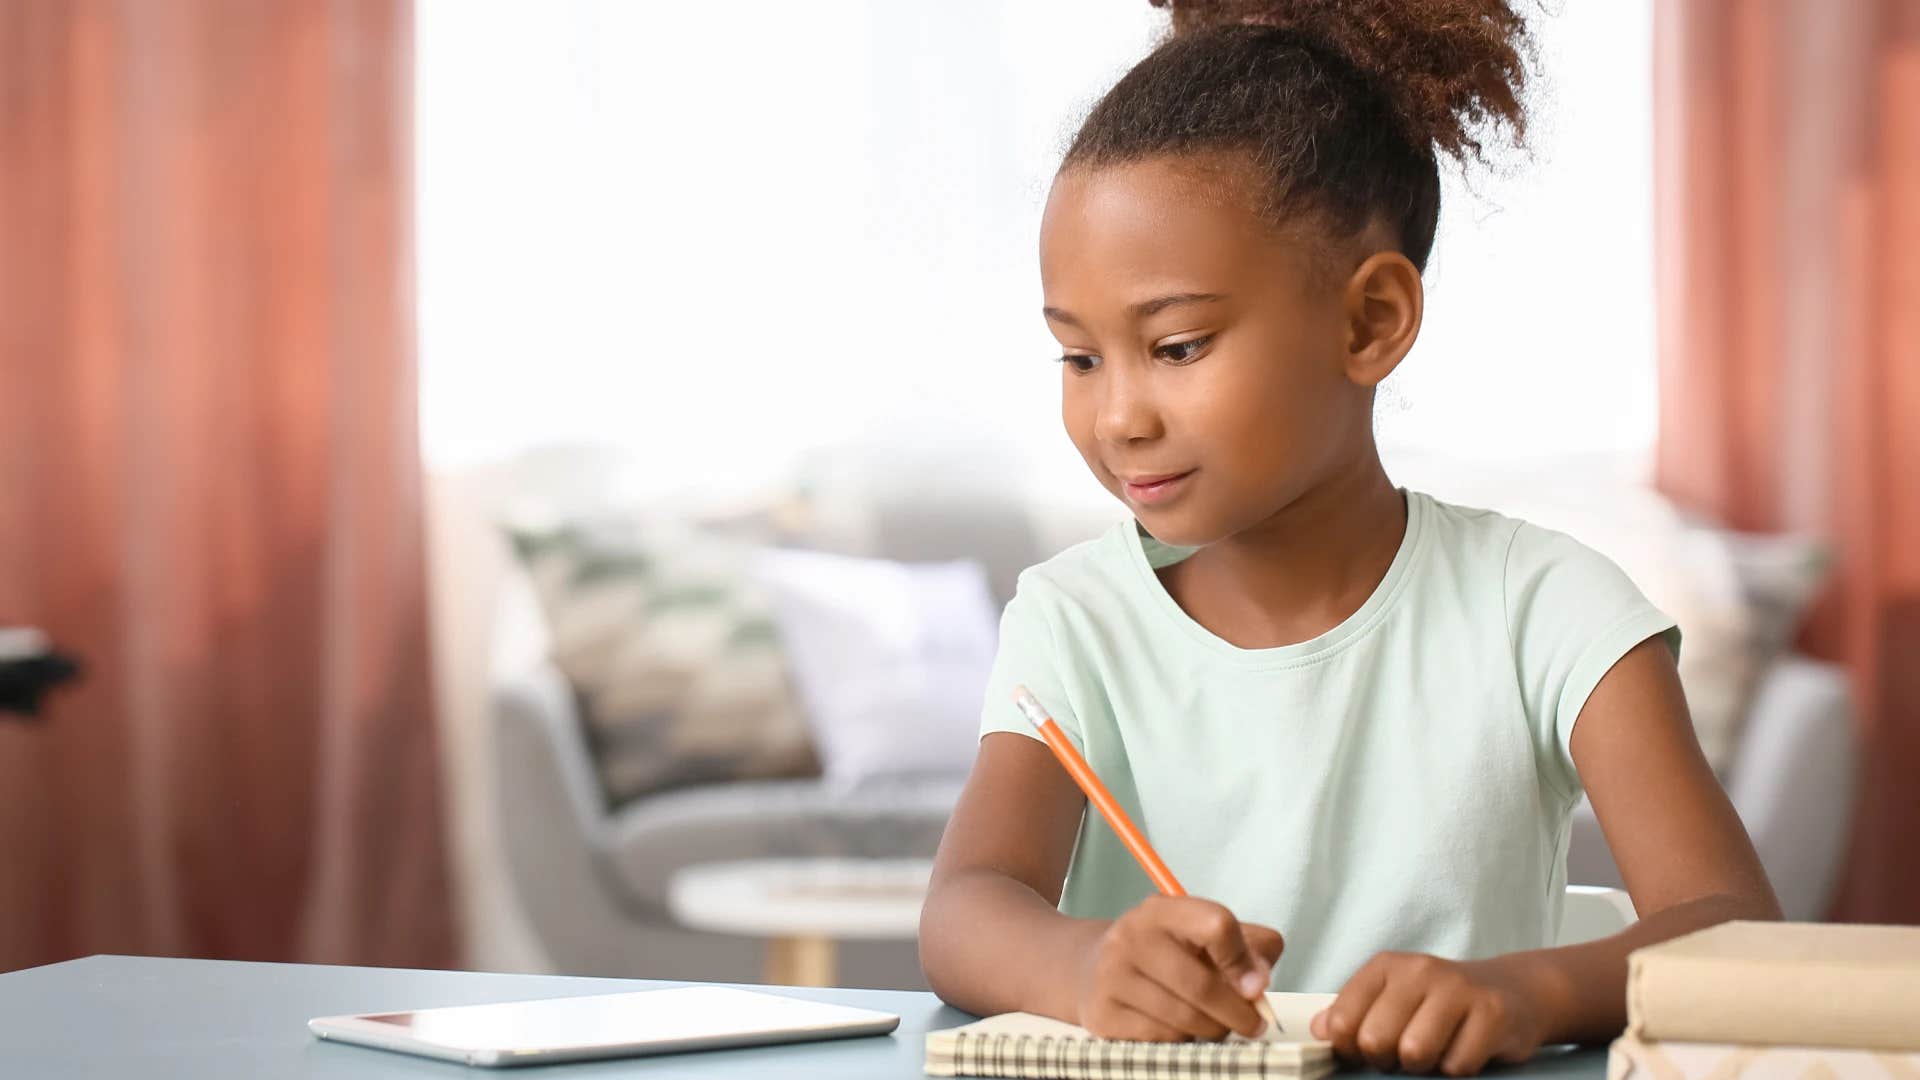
<point>803,907</point>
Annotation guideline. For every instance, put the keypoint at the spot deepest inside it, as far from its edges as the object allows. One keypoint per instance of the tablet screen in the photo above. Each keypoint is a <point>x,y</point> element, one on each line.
<point>656,1020</point>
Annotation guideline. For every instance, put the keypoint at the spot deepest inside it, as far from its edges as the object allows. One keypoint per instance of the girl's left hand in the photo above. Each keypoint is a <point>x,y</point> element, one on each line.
<point>1419,1014</point>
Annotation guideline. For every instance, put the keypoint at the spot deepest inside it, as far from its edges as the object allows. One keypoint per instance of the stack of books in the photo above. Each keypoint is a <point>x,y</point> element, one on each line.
<point>1749,1000</point>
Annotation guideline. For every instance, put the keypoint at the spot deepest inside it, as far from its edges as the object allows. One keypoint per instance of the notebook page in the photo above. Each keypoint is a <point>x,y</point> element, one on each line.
<point>1294,1012</point>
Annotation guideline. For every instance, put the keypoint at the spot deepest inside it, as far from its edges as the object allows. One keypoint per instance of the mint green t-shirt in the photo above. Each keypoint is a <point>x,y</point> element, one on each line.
<point>1400,782</point>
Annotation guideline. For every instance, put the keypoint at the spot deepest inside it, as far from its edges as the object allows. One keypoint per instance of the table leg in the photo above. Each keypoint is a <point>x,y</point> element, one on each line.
<point>802,961</point>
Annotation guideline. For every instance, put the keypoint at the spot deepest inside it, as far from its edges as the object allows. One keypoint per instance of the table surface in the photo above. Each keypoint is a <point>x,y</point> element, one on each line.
<point>120,1016</point>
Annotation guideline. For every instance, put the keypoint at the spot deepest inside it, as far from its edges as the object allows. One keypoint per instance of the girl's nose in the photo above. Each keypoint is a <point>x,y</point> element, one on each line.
<point>1127,411</point>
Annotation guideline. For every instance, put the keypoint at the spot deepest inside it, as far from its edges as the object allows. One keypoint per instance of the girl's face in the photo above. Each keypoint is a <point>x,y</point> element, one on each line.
<point>1206,366</point>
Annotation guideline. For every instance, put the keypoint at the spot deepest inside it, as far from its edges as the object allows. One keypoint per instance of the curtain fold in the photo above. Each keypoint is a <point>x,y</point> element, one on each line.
<point>210,485</point>
<point>1787,200</point>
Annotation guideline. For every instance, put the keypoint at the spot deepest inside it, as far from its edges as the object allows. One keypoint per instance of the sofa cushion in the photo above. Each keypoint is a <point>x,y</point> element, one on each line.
<point>890,659</point>
<point>646,842</point>
<point>671,653</point>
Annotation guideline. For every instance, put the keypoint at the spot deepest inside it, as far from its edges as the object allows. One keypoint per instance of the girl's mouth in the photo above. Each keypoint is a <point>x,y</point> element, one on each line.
<point>1154,490</point>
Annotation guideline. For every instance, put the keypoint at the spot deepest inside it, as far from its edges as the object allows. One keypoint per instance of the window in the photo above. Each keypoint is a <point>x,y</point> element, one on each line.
<point>726,234</point>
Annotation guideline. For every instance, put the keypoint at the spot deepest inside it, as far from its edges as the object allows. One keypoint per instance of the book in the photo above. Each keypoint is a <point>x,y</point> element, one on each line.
<point>1780,984</point>
<point>1022,1045</point>
<point>1632,1059</point>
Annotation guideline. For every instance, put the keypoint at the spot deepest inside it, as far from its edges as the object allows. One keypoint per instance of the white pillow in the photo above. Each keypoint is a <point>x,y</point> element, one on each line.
<point>889,660</point>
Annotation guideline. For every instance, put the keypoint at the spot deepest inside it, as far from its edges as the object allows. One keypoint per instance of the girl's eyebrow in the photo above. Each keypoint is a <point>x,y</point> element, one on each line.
<point>1142,309</point>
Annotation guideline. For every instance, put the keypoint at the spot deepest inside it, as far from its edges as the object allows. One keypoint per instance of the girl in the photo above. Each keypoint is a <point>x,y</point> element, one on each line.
<point>1355,715</point>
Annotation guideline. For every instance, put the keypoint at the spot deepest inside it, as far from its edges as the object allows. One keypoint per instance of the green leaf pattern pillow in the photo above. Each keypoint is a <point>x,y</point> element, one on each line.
<point>672,654</point>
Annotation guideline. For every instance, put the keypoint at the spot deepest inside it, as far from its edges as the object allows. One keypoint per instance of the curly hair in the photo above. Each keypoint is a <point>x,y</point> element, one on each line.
<point>1342,107</point>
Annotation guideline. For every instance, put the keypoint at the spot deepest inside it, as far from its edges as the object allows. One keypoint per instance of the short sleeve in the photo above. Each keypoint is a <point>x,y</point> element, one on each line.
<point>1571,615</point>
<point>1028,656</point>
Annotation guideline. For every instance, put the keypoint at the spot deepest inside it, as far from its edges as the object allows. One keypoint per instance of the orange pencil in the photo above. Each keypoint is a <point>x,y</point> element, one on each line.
<point>1103,801</point>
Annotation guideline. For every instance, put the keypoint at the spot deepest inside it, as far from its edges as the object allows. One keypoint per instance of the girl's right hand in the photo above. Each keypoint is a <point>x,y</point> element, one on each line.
<point>1176,968</point>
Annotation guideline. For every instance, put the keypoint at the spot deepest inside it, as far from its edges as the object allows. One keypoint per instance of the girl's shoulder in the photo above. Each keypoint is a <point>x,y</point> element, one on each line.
<point>1558,595</point>
<point>1462,527</point>
<point>1490,541</point>
<point>1451,546</point>
<point>1091,569</point>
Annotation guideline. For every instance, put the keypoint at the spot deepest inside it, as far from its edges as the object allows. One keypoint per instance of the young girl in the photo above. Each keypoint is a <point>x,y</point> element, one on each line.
<point>1352,715</point>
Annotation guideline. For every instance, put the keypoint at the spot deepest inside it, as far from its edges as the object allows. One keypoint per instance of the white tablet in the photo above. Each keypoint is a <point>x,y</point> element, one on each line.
<point>604,1025</point>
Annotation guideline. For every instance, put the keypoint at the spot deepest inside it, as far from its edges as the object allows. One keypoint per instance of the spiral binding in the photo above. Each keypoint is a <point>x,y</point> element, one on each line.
<point>1054,1058</point>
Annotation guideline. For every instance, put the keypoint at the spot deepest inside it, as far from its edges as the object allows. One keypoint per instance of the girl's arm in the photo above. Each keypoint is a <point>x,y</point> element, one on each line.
<point>992,940</point>
<point>1685,857</point>
<point>1682,851</point>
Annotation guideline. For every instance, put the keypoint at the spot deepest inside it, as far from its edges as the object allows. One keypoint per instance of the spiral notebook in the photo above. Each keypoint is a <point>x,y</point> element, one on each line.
<point>1022,1045</point>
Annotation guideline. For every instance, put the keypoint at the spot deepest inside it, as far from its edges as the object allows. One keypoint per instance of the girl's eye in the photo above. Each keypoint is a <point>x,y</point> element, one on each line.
<point>1183,352</point>
<point>1081,363</point>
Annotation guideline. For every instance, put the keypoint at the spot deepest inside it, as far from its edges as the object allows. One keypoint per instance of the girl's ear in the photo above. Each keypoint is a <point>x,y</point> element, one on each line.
<point>1383,302</point>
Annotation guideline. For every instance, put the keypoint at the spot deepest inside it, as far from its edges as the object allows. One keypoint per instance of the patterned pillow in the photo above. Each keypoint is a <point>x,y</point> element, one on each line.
<point>671,652</point>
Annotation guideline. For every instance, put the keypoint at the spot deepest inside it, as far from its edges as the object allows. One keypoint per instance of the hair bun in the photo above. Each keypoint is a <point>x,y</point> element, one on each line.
<point>1451,69</point>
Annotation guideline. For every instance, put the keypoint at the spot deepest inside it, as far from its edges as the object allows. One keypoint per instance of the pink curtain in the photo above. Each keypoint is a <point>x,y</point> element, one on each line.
<point>1788,205</point>
<point>210,485</point>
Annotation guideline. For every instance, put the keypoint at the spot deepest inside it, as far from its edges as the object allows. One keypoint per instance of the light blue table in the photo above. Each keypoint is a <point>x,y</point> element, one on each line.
<point>211,1020</point>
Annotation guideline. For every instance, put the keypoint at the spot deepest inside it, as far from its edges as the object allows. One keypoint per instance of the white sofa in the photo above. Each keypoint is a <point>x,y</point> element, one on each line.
<point>554,878</point>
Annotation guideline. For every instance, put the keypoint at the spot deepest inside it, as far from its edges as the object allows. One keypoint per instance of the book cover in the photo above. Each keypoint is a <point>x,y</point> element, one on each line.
<point>1780,984</point>
<point>1632,1059</point>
